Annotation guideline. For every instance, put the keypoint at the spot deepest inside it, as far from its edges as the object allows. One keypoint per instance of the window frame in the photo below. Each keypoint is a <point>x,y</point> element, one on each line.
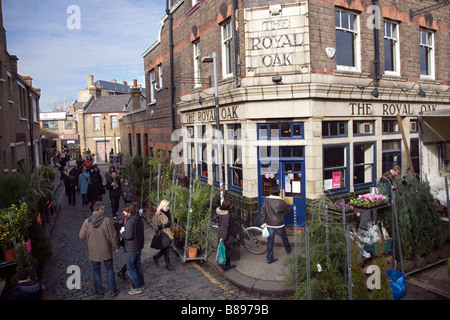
<point>430,54</point>
<point>152,79</point>
<point>395,40</point>
<point>197,51</point>
<point>227,49</point>
<point>345,167</point>
<point>373,164</point>
<point>356,39</point>
<point>338,123</point>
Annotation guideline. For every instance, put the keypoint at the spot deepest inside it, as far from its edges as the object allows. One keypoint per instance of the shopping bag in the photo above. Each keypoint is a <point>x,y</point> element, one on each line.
<point>397,284</point>
<point>160,241</point>
<point>220,257</point>
<point>265,232</point>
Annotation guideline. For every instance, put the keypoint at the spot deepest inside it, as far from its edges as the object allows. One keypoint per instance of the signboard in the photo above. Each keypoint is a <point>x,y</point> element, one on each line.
<point>276,39</point>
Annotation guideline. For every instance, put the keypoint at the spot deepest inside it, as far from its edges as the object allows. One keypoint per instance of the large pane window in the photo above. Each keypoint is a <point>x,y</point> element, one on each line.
<point>227,50</point>
<point>235,166</point>
<point>391,48</point>
<point>347,40</point>
<point>426,54</point>
<point>363,164</point>
<point>334,129</point>
<point>335,168</point>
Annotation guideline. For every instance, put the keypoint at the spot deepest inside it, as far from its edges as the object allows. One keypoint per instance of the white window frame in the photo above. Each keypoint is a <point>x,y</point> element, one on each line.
<point>152,76</point>
<point>160,77</point>
<point>393,36</point>
<point>197,50</point>
<point>97,123</point>
<point>357,41</point>
<point>194,2</point>
<point>431,55</point>
<point>227,50</point>
<point>114,121</point>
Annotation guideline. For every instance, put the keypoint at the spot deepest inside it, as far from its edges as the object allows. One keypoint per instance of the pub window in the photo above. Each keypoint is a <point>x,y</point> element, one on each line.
<point>363,128</point>
<point>363,165</point>
<point>426,54</point>
<point>203,161</point>
<point>234,165</point>
<point>391,48</point>
<point>415,155</point>
<point>275,131</point>
<point>227,50</point>
<point>331,129</point>
<point>390,126</point>
<point>335,168</point>
<point>347,40</point>
<point>234,131</point>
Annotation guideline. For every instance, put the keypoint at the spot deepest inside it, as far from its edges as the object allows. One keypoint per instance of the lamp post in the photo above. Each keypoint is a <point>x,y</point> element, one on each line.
<point>104,134</point>
<point>213,58</point>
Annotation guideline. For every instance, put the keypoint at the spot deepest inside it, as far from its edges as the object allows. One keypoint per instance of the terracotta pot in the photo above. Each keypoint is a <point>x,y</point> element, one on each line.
<point>192,253</point>
<point>10,254</point>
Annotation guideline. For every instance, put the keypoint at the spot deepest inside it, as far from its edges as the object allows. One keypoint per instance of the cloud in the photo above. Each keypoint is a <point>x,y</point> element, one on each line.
<point>112,36</point>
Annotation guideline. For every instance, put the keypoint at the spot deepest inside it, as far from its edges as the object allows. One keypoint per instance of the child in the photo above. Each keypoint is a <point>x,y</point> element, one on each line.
<point>127,191</point>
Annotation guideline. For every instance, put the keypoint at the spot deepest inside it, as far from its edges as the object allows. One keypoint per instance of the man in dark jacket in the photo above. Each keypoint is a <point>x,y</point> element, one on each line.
<point>273,210</point>
<point>133,236</point>
<point>114,186</point>
<point>26,289</point>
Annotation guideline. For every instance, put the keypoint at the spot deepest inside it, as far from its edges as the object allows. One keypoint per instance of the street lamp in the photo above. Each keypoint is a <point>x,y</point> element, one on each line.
<point>104,134</point>
<point>213,58</point>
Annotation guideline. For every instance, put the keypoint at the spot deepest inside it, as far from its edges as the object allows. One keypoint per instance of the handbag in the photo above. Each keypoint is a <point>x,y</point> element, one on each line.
<point>220,256</point>
<point>160,241</point>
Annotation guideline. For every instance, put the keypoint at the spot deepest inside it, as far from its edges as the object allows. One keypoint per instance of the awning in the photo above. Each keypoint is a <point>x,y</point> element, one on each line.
<point>435,126</point>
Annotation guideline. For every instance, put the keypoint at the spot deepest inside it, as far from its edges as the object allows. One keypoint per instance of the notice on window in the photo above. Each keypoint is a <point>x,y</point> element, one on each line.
<point>336,183</point>
<point>296,187</point>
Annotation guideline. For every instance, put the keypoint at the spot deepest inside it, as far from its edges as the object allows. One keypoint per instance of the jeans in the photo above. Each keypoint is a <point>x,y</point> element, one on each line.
<point>134,268</point>
<point>98,277</point>
<point>114,205</point>
<point>271,238</point>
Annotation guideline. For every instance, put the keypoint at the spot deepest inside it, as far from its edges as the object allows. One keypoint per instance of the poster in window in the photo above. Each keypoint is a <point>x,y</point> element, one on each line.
<point>336,180</point>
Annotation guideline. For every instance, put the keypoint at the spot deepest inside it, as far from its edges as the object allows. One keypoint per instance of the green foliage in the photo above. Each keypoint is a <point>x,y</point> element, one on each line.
<point>329,283</point>
<point>421,229</point>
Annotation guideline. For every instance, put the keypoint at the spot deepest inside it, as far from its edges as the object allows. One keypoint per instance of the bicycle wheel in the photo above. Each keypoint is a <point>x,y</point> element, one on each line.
<point>253,240</point>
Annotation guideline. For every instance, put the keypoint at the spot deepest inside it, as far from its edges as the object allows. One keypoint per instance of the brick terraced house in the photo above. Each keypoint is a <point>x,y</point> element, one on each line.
<point>20,141</point>
<point>316,96</point>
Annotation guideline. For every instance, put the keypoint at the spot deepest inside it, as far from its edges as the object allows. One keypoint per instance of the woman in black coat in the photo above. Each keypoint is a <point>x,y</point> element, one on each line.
<point>95,190</point>
<point>226,232</point>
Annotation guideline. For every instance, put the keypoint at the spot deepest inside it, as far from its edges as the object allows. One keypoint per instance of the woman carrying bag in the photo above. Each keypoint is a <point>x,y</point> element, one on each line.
<point>162,222</point>
<point>226,231</point>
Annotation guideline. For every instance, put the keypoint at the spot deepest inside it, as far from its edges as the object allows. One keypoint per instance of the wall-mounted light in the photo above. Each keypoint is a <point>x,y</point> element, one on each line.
<point>375,93</point>
<point>421,92</point>
<point>201,100</point>
<point>277,79</point>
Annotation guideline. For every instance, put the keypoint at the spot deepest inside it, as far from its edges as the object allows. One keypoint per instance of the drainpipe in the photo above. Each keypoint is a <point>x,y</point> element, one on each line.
<point>376,34</point>
<point>237,60</point>
<point>172,87</point>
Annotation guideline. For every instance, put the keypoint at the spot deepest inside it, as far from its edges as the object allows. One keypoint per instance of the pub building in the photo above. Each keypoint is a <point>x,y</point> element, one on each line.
<point>310,95</point>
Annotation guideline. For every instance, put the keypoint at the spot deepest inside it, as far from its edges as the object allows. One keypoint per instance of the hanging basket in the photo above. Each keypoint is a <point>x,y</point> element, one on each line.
<point>10,254</point>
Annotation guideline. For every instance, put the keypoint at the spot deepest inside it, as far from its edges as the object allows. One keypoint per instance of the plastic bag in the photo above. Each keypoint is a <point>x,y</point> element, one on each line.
<point>265,232</point>
<point>221,258</point>
<point>397,284</point>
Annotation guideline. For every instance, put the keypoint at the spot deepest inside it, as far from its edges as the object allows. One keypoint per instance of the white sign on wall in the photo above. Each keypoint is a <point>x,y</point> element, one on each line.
<point>276,40</point>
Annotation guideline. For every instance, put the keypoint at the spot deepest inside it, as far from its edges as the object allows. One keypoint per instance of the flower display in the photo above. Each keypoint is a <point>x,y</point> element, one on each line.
<point>369,200</point>
<point>337,206</point>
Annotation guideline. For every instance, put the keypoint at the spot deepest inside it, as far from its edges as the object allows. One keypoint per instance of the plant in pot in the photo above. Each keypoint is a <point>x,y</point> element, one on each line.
<point>12,229</point>
<point>198,225</point>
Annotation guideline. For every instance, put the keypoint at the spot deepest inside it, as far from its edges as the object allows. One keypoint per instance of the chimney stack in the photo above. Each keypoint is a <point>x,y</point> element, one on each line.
<point>135,96</point>
<point>90,80</point>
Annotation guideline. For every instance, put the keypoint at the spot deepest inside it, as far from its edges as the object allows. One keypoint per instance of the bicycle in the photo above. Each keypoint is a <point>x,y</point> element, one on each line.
<point>251,237</point>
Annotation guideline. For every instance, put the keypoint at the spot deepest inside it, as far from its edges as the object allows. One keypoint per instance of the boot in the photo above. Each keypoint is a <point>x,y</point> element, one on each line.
<point>155,259</point>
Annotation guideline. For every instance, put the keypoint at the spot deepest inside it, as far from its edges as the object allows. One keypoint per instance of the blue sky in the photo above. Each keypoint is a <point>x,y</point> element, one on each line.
<point>59,48</point>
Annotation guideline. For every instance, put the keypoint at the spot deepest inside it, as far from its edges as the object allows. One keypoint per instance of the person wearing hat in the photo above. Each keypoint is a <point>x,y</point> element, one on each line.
<point>26,289</point>
<point>273,210</point>
<point>102,239</point>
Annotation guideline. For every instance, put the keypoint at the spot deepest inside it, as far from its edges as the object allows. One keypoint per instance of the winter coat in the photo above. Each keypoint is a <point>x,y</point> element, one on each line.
<point>133,234</point>
<point>101,237</point>
<point>226,227</point>
<point>83,181</point>
<point>116,190</point>
<point>273,210</point>
<point>95,191</point>
<point>163,219</point>
<point>128,193</point>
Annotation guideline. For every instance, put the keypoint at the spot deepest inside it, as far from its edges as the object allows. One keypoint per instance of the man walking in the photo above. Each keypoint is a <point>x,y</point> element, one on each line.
<point>273,210</point>
<point>102,238</point>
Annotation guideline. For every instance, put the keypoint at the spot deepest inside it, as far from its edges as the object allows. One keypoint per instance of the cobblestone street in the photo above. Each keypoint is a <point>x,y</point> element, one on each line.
<point>193,280</point>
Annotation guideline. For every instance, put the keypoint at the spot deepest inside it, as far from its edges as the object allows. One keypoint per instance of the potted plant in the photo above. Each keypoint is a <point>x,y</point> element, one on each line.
<point>12,229</point>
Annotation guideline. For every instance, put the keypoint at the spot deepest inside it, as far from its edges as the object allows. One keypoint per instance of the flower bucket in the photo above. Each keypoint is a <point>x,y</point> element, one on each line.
<point>10,254</point>
<point>192,253</point>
